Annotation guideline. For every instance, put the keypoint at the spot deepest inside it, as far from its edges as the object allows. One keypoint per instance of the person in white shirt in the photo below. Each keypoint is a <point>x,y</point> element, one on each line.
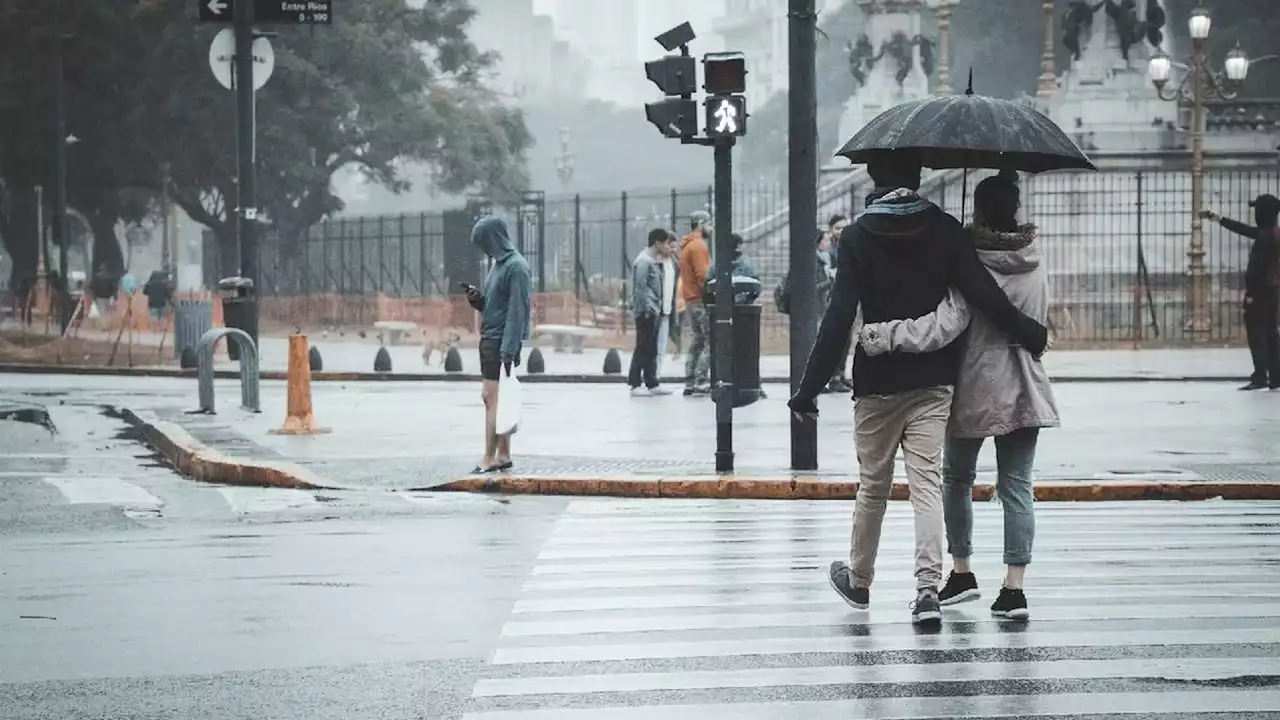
<point>670,278</point>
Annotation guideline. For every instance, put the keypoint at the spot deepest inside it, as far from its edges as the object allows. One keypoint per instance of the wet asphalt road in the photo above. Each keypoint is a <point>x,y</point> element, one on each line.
<point>128,592</point>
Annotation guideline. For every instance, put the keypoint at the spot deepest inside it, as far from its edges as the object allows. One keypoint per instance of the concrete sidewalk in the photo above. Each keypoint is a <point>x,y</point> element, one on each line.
<point>345,358</point>
<point>415,435</point>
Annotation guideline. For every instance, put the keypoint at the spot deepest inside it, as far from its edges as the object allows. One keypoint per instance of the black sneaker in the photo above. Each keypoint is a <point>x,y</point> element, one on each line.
<point>841,578</point>
<point>1254,385</point>
<point>1011,605</point>
<point>925,611</point>
<point>699,391</point>
<point>960,587</point>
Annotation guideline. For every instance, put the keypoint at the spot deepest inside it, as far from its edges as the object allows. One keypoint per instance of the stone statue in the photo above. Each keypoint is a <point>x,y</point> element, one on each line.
<point>1133,31</point>
<point>1077,22</point>
<point>863,57</point>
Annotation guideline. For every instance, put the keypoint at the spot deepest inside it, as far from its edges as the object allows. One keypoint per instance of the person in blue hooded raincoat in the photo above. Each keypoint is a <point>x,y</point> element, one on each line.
<point>504,305</point>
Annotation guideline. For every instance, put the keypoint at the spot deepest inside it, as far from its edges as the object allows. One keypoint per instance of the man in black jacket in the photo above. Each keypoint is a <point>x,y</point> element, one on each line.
<point>897,261</point>
<point>1261,294</point>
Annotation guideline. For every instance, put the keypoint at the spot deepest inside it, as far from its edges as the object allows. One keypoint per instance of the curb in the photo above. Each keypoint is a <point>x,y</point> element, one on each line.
<point>198,462</point>
<point>169,372</point>
<point>814,488</point>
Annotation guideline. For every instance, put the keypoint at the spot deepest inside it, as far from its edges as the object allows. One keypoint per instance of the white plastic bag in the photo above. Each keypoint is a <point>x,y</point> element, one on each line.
<point>509,403</point>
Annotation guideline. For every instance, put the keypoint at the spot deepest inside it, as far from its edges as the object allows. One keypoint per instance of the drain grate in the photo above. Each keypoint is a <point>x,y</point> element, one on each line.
<point>1236,473</point>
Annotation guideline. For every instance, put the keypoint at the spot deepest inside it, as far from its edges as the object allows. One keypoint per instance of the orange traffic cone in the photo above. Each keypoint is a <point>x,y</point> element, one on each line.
<point>300,420</point>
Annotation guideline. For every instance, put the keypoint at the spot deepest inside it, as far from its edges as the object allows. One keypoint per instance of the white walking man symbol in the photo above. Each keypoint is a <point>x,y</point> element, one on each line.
<point>727,116</point>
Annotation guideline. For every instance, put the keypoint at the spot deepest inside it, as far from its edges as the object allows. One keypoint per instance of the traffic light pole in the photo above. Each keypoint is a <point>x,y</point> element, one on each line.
<point>803,180</point>
<point>246,191</point>
<point>722,329</point>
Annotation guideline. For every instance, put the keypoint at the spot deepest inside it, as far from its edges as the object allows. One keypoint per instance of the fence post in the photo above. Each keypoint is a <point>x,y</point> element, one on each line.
<point>542,244</point>
<point>400,245</point>
<point>422,257</point>
<point>577,258</point>
<point>1138,279</point>
<point>622,255</point>
<point>672,225</point>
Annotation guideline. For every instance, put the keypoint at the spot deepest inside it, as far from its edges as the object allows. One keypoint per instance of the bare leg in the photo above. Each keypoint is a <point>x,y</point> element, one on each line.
<point>503,455</point>
<point>489,393</point>
<point>1014,575</point>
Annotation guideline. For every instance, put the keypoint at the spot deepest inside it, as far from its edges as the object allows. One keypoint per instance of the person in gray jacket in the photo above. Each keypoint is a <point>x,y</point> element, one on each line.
<point>652,297</point>
<point>505,316</point>
<point>1001,392</point>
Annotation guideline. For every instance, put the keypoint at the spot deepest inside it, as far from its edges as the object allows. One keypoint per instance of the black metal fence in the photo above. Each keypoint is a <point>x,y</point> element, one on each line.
<point>1114,244</point>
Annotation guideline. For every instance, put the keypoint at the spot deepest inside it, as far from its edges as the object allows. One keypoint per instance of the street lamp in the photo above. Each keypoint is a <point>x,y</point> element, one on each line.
<point>1198,81</point>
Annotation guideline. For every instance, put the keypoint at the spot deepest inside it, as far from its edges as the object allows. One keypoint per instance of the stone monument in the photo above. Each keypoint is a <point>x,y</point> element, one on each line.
<point>891,61</point>
<point>1104,99</point>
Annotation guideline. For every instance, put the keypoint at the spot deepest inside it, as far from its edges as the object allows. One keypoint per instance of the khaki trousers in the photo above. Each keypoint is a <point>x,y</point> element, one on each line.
<point>916,421</point>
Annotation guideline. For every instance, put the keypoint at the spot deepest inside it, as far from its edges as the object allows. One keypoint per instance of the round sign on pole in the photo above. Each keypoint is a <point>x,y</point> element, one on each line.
<point>222,59</point>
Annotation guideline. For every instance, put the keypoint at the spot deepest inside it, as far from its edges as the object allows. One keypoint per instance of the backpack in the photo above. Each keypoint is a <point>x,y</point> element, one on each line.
<point>782,294</point>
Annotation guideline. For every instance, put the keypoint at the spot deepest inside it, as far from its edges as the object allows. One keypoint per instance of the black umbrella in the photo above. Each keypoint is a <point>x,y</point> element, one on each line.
<point>969,131</point>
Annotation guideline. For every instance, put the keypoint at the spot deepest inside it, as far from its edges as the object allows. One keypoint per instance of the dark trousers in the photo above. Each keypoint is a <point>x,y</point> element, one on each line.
<point>1260,321</point>
<point>644,361</point>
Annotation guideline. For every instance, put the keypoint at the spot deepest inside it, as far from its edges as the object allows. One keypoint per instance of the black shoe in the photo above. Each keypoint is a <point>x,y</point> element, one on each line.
<point>960,587</point>
<point>1254,385</point>
<point>841,578</point>
<point>925,611</point>
<point>1011,605</point>
<point>698,391</point>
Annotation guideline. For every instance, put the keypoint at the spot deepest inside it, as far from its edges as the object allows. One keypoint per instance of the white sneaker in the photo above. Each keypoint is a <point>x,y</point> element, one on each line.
<point>640,392</point>
<point>660,390</point>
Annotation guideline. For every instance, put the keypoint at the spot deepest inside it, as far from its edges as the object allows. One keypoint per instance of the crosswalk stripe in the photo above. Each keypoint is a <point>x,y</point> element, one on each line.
<point>82,490</point>
<point>1074,705</point>
<point>1172,670</point>
<point>639,610</point>
<point>246,500</point>
<point>817,593</point>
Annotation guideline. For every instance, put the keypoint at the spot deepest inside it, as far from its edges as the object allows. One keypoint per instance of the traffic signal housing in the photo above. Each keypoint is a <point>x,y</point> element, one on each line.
<point>674,117</point>
<point>724,73</point>
<point>725,116</point>
<point>676,76</point>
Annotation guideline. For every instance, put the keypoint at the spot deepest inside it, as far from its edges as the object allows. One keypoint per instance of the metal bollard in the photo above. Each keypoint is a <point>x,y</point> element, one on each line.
<point>248,368</point>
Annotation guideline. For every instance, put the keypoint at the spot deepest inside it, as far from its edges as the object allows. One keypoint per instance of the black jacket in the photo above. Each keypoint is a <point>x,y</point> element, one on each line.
<point>899,267</point>
<point>1260,273</point>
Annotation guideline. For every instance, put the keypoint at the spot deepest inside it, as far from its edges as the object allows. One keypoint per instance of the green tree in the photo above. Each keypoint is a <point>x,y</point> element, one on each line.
<point>386,85</point>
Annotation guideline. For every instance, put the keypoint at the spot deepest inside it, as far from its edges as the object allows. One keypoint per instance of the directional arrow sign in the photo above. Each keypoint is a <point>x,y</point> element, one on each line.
<point>726,115</point>
<point>215,10</point>
<point>283,12</point>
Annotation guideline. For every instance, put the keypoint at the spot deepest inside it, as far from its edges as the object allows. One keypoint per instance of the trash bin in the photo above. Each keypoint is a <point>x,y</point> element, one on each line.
<point>746,339</point>
<point>239,310</point>
<point>191,320</point>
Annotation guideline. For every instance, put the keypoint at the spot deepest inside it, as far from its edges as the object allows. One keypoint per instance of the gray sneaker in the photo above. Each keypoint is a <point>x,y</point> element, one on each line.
<point>926,611</point>
<point>841,578</point>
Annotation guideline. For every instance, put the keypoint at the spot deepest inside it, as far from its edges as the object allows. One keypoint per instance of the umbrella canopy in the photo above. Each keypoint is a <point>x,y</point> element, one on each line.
<point>969,131</point>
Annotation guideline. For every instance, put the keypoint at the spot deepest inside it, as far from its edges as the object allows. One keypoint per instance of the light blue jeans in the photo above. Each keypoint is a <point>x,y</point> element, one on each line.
<point>1015,457</point>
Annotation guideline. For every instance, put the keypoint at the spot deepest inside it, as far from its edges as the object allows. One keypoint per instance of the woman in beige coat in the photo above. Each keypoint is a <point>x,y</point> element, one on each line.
<point>1001,392</point>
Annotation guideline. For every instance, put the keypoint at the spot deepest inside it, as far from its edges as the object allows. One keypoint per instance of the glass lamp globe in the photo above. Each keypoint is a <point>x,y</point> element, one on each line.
<point>1237,65</point>
<point>1199,23</point>
<point>1159,67</point>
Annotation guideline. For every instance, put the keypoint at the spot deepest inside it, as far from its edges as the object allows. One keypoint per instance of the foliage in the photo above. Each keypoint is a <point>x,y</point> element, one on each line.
<point>386,85</point>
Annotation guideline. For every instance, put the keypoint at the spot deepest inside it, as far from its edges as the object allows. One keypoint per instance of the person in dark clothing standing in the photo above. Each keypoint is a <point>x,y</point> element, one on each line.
<point>896,261</point>
<point>1261,289</point>
<point>652,297</point>
<point>505,305</point>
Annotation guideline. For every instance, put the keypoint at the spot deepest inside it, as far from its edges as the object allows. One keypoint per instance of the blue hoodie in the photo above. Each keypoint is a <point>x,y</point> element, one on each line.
<point>507,302</point>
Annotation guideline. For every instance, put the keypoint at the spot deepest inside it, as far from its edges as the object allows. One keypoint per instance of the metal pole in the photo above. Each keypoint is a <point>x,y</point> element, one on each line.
<point>61,236</point>
<point>622,260</point>
<point>722,322</point>
<point>577,259</point>
<point>803,180</point>
<point>246,200</point>
<point>166,254</point>
<point>1197,290</point>
<point>542,244</point>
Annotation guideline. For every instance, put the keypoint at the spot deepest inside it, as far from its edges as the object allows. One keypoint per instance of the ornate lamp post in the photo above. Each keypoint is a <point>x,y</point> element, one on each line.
<point>565,160</point>
<point>1198,82</point>
<point>1048,65</point>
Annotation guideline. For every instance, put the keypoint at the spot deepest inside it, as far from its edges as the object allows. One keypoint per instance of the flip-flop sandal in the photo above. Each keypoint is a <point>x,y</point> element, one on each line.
<point>477,470</point>
<point>503,467</point>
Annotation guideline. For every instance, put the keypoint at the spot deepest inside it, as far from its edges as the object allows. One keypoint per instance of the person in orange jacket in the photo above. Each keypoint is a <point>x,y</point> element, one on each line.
<point>695,262</point>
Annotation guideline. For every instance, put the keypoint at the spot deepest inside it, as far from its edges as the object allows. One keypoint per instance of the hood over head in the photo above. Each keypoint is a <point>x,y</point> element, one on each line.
<point>1008,253</point>
<point>1265,210</point>
<point>490,235</point>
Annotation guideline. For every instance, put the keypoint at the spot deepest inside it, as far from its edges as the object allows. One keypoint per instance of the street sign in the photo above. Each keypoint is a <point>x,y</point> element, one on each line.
<point>280,12</point>
<point>726,115</point>
<point>222,59</point>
